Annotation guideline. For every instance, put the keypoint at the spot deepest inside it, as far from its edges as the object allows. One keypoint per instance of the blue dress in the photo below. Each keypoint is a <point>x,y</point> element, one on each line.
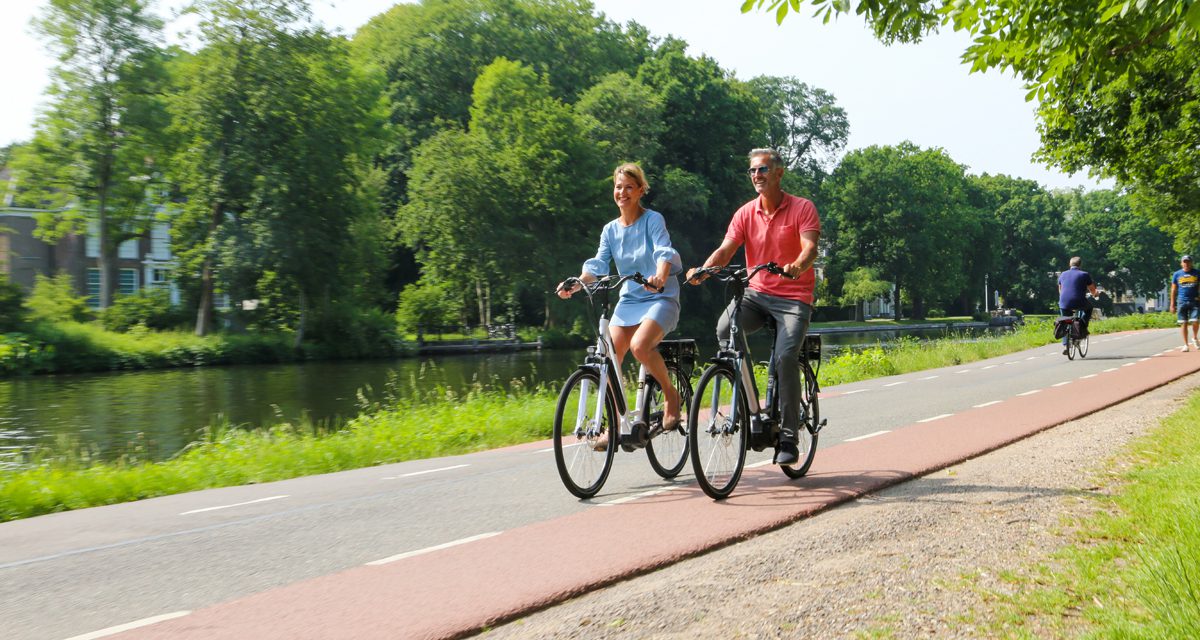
<point>640,247</point>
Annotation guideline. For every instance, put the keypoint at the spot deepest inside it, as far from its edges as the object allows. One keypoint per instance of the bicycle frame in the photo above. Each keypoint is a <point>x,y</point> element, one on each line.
<point>601,357</point>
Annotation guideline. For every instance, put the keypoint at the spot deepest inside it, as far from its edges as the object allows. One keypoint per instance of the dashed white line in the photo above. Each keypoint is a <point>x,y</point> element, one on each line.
<point>937,417</point>
<point>761,463</point>
<point>987,404</point>
<point>1013,362</point>
<point>1031,358</point>
<point>1111,369</point>
<point>963,371</point>
<point>1090,375</point>
<point>1062,384</point>
<point>990,366</point>
<point>654,492</point>
<point>893,384</point>
<point>1143,359</point>
<point>1128,364</point>
<point>129,626</point>
<point>869,435</point>
<point>855,391</point>
<point>455,543</point>
<point>929,378</point>
<point>1029,393</point>
<point>230,506</point>
<point>421,473</point>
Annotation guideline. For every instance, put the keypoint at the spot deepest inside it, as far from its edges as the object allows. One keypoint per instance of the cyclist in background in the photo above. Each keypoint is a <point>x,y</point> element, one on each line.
<point>1073,286</point>
<point>1183,297</point>
<point>781,228</point>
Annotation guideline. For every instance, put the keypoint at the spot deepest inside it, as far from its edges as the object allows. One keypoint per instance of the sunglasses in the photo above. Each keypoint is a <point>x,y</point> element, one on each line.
<point>760,170</point>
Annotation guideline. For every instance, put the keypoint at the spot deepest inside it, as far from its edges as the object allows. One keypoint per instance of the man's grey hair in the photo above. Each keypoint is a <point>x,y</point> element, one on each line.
<point>1075,262</point>
<point>773,158</point>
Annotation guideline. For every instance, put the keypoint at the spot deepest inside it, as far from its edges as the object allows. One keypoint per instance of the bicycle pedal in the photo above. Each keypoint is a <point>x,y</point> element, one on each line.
<point>820,426</point>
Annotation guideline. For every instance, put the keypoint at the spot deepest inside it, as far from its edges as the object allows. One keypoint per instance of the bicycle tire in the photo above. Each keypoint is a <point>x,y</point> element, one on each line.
<point>582,469</point>
<point>719,431</point>
<point>806,433</point>
<point>1072,347</point>
<point>1082,346</point>
<point>668,451</point>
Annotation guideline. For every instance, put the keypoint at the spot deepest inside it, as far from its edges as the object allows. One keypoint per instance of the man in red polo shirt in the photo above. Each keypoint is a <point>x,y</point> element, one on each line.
<point>781,228</point>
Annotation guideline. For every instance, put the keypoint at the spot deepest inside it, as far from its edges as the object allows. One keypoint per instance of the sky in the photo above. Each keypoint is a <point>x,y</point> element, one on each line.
<point>920,93</point>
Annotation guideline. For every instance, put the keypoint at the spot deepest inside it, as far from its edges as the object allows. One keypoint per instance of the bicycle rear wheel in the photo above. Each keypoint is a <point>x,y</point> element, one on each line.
<point>719,428</point>
<point>1081,346</point>
<point>582,468</point>
<point>810,422</point>
<point>1072,347</point>
<point>668,450</point>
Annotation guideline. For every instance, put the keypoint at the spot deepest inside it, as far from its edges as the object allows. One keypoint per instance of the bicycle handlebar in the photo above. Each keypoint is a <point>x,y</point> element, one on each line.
<point>730,273</point>
<point>606,283</point>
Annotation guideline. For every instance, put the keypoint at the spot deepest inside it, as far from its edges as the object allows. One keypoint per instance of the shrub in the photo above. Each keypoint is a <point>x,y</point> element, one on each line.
<point>53,298</point>
<point>425,304</point>
<point>150,308</point>
<point>346,331</point>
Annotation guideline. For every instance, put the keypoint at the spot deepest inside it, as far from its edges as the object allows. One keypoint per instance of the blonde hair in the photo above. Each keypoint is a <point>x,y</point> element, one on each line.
<point>633,171</point>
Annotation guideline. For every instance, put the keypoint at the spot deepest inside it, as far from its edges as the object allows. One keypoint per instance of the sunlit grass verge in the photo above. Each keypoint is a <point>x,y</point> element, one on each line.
<point>394,431</point>
<point>230,456</point>
<point>1132,570</point>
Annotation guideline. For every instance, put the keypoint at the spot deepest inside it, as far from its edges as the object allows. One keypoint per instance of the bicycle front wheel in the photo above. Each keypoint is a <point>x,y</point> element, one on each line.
<point>1072,347</point>
<point>668,450</point>
<point>810,423</point>
<point>1082,346</point>
<point>579,424</point>
<point>719,427</point>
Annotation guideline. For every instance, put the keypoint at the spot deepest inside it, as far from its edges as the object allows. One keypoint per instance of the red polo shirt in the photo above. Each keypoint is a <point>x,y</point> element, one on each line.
<point>776,239</point>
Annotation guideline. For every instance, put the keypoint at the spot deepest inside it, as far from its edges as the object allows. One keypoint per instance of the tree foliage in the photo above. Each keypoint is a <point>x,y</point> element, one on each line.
<point>1121,250</point>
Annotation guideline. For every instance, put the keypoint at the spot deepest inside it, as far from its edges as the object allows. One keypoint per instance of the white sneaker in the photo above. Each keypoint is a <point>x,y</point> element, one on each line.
<point>1185,349</point>
<point>1196,343</point>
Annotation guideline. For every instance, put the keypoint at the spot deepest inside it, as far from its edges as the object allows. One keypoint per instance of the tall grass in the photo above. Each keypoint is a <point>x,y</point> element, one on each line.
<point>392,429</point>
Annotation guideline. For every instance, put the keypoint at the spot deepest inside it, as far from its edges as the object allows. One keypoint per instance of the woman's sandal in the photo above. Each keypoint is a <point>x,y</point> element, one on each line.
<point>601,443</point>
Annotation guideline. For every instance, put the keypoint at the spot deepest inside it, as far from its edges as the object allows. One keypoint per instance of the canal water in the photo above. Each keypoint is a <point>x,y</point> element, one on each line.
<point>158,412</point>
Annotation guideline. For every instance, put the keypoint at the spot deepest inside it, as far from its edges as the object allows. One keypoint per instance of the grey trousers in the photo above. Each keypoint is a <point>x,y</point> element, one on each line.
<point>791,322</point>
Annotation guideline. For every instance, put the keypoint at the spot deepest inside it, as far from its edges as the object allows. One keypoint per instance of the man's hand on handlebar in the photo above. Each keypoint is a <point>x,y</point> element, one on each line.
<point>568,287</point>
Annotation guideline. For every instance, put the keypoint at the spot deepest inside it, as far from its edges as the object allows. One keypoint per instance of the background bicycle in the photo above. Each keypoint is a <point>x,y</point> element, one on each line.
<point>727,416</point>
<point>593,406</point>
<point>1072,328</point>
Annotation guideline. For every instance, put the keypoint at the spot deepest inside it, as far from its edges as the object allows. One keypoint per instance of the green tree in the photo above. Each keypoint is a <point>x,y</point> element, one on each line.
<point>1116,82</point>
<point>95,148</point>
<point>863,285</point>
<point>803,123</point>
<point>1122,251</point>
<point>12,313</point>
<point>272,120</point>
<point>499,206</point>
<point>905,212</point>
<point>53,298</point>
<point>625,118</point>
<point>1028,243</point>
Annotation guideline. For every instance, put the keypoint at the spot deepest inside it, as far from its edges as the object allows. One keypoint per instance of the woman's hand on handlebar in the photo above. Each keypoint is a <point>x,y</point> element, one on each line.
<point>654,283</point>
<point>568,287</point>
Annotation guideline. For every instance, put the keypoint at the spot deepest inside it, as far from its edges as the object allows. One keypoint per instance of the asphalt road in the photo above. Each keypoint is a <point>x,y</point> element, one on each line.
<point>77,574</point>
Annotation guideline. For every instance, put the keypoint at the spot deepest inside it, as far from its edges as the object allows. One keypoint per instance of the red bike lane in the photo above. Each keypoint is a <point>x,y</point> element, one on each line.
<point>455,591</point>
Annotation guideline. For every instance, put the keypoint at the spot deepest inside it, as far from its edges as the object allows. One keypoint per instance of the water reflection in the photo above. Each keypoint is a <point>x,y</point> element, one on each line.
<point>161,411</point>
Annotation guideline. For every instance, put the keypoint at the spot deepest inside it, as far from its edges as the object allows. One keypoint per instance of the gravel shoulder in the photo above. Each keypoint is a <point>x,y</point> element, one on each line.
<point>913,561</point>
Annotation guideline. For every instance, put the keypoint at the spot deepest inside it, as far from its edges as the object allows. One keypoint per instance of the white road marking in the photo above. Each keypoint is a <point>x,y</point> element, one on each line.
<point>1090,375</point>
<point>1143,359</point>
<point>938,417</point>
<point>990,366</point>
<point>987,404</point>
<point>1029,393</point>
<point>869,435</point>
<point>963,371</point>
<point>1013,362</point>
<point>654,492</point>
<point>129,626</point>
<point>1062,384</point>
<point>855,391</point>
<point>1107,370</point>
<point>455,543</point>
<point>421,473</point>
<point>1031,358</point>
<point>1128,364</point>
<point>892,384</point>
<point>761,463</point>
<point>928,377</point>
<point>230,506</point>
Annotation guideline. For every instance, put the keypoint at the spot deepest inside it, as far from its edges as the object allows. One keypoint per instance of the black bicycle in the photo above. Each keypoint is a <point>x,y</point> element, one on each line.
<point>727,416</point>
<point>1072,328</point>
<point>593,402</point>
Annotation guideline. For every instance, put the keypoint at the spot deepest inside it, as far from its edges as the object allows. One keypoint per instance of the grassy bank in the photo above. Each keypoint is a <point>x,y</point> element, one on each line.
<point>392,431</point>
<point>1133,569</point>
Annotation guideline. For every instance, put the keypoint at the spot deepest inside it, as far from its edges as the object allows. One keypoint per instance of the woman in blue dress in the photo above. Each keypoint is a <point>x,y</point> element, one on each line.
<point>637,241</point>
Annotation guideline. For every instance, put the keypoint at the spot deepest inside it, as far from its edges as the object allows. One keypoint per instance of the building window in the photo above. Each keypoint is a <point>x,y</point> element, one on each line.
<point>127,284</point>
<point>128,249</point>
<point>159,278</point>
<point>160,242</point>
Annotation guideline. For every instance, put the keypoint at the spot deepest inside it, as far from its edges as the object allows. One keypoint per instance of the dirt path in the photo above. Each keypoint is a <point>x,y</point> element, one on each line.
<point>909,562</point>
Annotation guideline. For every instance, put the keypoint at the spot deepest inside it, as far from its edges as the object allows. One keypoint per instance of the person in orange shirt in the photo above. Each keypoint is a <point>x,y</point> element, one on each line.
<point>781,228</point>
